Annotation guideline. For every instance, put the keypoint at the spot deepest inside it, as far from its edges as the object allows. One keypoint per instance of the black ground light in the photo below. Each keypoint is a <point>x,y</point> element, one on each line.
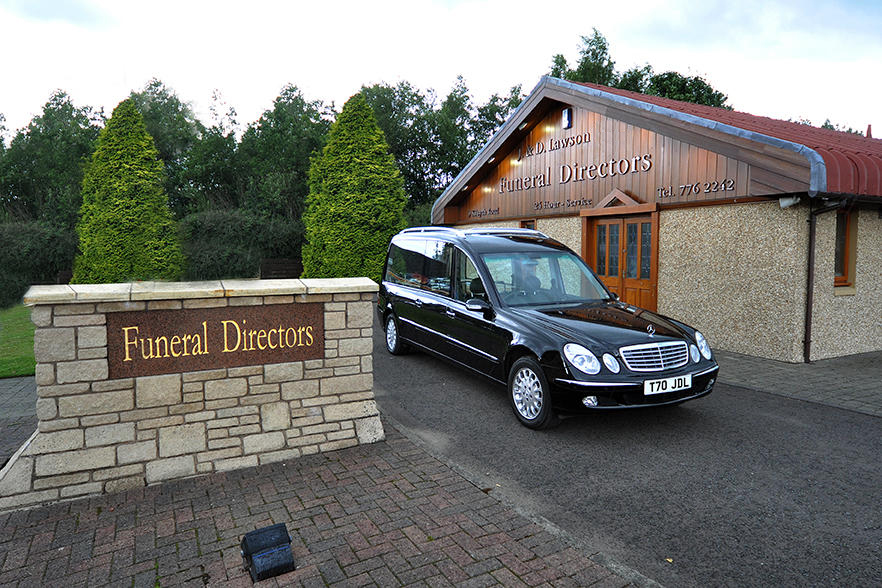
<point>266,552</point>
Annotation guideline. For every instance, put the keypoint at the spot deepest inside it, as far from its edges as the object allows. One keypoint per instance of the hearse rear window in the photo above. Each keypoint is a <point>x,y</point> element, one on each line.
<point>420,263</point>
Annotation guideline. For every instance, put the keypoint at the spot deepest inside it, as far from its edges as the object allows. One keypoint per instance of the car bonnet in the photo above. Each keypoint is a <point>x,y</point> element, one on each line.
<point>604,325</point>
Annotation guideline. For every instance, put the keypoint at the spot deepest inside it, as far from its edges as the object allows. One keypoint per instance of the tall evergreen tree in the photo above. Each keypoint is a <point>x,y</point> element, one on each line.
<point>356,199</point>
<point>126,228</point>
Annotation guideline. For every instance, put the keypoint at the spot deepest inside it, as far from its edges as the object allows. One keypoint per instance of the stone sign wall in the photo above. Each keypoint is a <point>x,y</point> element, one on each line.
<point>97,433</point>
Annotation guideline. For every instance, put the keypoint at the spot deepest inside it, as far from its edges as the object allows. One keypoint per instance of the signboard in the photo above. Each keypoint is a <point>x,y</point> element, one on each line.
<point>146,343</point>
<point>555,171</point>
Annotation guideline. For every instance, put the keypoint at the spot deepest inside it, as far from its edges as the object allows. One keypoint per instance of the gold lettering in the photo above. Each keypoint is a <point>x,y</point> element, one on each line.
<point>175,340</point>
<point>288,333</point>
<point>227,348</point>
<point>250,340</point>
<point>156,341</point>
<point>261,334</point>
<point>300,336</point>
<point>269,338</point>
<point>129,342</point>
<point>187,338</point>
<point>309,334</point>
<point>147,347</point>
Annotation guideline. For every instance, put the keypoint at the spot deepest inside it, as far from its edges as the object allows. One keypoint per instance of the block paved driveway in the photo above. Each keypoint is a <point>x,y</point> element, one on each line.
<point>18,417</point>
<point>386,514</point>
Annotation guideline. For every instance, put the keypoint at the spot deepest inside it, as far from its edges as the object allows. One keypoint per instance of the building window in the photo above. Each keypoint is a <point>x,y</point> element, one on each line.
<point>844,252</point>
<point>528,224</point>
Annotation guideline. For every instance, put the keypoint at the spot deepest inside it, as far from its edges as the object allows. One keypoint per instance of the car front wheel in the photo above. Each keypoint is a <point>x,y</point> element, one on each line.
<point>394,345</point>
<point>529,394</point>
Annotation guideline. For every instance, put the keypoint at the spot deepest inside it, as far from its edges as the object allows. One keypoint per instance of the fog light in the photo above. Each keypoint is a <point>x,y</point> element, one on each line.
<point>693,351</point>
<point>590,401</point>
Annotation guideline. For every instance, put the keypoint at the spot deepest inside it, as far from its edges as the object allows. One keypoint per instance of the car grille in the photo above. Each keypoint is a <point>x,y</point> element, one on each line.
<point>655,357</point>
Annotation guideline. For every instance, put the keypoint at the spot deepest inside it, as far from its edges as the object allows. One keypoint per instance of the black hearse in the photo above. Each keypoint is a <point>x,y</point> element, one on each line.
<point>523,309</point>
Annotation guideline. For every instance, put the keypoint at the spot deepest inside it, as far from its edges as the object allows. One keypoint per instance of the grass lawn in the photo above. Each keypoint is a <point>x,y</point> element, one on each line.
<point>16,342</point>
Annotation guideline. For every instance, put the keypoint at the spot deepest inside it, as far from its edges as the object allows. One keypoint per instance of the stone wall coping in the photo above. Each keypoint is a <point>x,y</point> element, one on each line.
<point>72,293</point>
<point>339,285</point>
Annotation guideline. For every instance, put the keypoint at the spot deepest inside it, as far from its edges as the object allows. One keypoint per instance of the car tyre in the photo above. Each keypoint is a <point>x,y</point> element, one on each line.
<point>394,344</point>
<point>529,394</point>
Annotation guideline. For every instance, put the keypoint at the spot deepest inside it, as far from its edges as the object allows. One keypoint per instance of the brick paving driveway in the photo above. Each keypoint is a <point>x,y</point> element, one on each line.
<point>386,514</point>
<point>18,419</point>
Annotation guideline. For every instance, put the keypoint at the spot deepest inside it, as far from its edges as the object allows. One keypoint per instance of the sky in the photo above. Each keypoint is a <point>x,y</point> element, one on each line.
<point>786,59</point>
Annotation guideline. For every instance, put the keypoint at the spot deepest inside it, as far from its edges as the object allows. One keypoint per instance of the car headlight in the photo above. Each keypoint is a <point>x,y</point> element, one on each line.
<point>611,363</point>
<point>582,359</point>
<point>703,345</point>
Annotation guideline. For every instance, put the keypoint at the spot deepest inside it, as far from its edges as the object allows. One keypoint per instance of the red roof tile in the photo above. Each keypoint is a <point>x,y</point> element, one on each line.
<point>853,162</point>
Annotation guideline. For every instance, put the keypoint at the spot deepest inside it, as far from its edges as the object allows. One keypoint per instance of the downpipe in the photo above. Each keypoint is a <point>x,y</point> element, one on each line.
<point>810,274</point>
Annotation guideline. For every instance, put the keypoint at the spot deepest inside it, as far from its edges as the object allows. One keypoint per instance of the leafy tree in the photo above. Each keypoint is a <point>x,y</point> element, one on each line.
<point>491,115</point>
<point>405,115</point>
<point>126,228</point>
<point>41,171</point>
<point>214,172</point>
<point>276,151</point>
<point>3,131</point>
<point>175,130</point>
<point>356,198</point>
<point>635,79</point>
<point>559,67</point>
<point>686,88</point>
<point>455,146</point>
<point>596,66</point>
<point>834,127</point>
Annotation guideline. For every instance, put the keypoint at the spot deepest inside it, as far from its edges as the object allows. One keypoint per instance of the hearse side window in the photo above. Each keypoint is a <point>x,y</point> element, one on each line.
<point>420,263</point>
<point>468,284</point>
<point>405,264</point>
<point>438,257</point>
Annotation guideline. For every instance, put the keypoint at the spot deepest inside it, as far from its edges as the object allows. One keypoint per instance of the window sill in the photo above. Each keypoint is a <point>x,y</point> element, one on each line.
<point>844,291</point>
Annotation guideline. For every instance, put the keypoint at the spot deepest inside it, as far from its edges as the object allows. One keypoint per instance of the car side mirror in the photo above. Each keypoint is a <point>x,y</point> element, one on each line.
<point>614,296</point>
<point>478,305</point>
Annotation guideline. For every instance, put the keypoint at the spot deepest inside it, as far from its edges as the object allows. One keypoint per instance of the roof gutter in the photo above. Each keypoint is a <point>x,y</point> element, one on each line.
<point>817,167</point>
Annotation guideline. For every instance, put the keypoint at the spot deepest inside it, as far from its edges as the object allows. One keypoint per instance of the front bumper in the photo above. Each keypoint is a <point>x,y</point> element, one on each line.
<point>569,393</point>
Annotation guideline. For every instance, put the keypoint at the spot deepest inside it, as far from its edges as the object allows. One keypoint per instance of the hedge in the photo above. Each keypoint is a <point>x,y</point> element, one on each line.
<point>32,253</point>
<point>230,243</point>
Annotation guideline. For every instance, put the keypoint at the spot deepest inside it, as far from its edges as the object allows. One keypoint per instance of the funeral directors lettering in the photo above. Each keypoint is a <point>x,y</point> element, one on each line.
<point>578,173</point>
<point>168,341</point>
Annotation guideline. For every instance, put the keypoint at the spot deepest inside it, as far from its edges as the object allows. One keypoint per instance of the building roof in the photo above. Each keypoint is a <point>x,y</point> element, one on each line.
<point>837,162</point>
<point>853,162</point>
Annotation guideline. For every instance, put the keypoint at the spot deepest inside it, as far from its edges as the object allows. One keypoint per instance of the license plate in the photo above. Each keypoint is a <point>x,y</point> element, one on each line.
<point>667,385</point>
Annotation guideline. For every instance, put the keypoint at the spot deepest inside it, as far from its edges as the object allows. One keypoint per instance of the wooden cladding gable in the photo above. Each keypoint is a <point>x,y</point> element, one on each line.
<point>654,158</point>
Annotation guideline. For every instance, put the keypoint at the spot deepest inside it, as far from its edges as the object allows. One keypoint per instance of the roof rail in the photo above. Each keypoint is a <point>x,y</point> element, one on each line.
<point>503,231</point>
<point>431,230</point>
<point>490,231</point>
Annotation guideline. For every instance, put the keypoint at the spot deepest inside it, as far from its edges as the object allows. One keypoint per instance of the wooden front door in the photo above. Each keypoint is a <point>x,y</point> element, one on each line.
<point>624,253</point>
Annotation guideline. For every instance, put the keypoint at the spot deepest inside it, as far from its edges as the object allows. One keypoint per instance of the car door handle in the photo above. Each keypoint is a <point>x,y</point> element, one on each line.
<point>417,302</point>
<point>450,313</point>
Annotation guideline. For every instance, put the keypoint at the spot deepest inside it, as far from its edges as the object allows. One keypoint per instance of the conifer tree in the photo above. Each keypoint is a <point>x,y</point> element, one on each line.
<point>126,228</point>
<point>356,199</point>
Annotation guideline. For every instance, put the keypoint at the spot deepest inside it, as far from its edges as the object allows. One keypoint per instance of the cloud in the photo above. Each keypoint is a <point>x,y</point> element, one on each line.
<point>772,57</point>
<point>76,12</point>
